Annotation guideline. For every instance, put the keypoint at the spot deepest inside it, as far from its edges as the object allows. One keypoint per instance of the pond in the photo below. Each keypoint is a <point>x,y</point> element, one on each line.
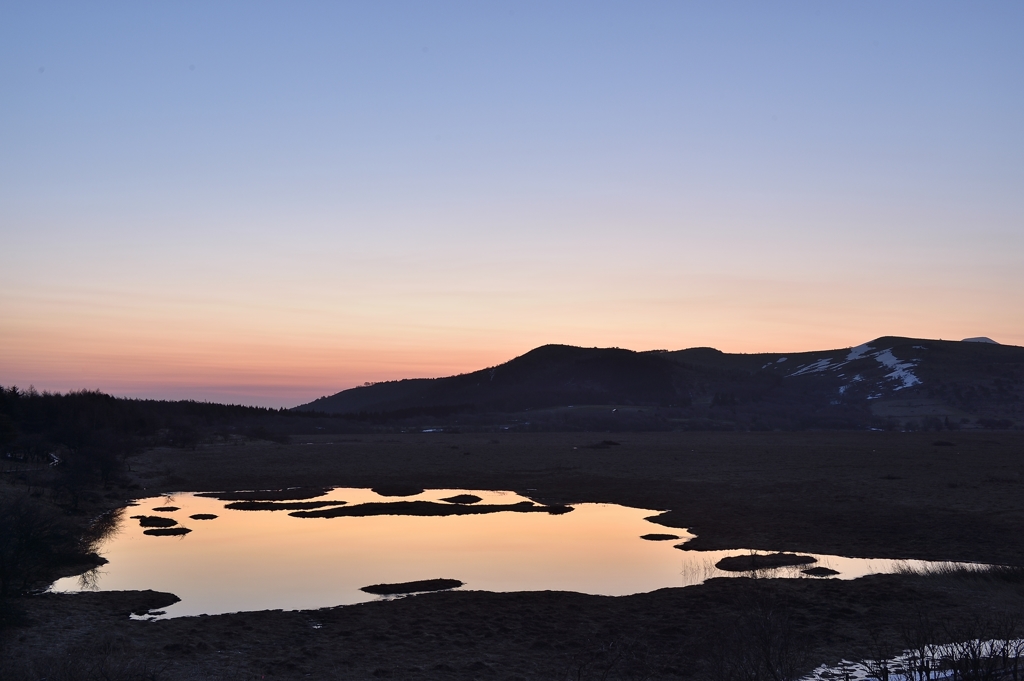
<point>239,560</point>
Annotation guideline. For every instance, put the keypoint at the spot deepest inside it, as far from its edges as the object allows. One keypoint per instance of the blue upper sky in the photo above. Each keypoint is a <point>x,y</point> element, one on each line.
<point>747,175</point>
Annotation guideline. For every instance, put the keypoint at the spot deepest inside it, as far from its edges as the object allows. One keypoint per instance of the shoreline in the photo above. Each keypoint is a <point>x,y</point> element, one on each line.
<point>844,493</point>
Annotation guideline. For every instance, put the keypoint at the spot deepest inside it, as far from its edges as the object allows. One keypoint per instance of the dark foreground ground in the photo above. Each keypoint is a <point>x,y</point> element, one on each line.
<point>699,632</point>
<point>864,494</point>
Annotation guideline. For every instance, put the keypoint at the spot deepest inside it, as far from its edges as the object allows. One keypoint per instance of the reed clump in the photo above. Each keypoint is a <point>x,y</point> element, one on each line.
<point>1008,574</point>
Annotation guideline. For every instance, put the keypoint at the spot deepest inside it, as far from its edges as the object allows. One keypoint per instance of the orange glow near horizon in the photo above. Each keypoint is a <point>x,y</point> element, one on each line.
<point>185,213</point>
<point>281,323</point>
<point>260,348</point>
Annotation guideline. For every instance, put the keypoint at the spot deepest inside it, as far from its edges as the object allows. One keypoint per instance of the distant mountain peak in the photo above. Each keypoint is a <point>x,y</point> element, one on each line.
<point>889,382</point>
<point>979,339</point>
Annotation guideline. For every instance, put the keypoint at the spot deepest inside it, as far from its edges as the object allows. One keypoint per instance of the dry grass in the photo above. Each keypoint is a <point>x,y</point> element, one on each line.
<point>976,572</point>
<point>864,494</point>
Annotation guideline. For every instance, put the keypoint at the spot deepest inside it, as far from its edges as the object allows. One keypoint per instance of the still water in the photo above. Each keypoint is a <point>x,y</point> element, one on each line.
<point>260,560</point>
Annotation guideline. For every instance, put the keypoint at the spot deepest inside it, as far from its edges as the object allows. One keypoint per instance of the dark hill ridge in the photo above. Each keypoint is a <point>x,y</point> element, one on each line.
<point>888,382</point>
<point>549,376</point>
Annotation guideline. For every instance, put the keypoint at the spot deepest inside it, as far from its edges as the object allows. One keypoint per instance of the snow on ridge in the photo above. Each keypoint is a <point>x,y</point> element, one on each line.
<point>901,371</point>
<point>858,352</point>
<point>815,367</point>
<point>856,379</point>
<point>888,359</point>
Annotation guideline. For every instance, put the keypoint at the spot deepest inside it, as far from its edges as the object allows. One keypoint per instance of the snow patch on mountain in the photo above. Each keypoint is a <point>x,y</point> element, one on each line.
<point>820,365</point>
<point>901,371</point>
<point>899,374</point>
<point>856,379</point>
<point>858,352</point>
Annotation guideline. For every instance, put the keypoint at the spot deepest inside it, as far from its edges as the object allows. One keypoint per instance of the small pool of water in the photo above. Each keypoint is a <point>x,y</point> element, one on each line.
<point>260,560</point>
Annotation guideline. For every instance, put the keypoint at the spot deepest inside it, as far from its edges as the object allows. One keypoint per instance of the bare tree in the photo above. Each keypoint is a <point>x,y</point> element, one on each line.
<point>763,644</point>
<point>32,536</point>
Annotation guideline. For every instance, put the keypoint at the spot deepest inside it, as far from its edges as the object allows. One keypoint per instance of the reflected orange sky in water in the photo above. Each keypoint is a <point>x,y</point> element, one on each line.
<point>259,560</point>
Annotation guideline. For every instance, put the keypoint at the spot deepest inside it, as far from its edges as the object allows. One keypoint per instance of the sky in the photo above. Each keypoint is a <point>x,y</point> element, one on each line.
<point>266,202</point>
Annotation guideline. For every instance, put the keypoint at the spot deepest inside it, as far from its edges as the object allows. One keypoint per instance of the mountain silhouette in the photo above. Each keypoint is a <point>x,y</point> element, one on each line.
<point>887,382</point>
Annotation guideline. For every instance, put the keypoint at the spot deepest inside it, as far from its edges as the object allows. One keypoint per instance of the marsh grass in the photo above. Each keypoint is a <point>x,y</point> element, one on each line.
<point>694,572</point>
<point>761,642</point>
<point>626,658</point>
<point>930,646</point>
<point>1009,574</point>
<point>111,658</point>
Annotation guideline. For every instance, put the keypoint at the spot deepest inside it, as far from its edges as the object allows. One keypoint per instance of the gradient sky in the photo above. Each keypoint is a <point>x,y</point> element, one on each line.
<point>268,202</point>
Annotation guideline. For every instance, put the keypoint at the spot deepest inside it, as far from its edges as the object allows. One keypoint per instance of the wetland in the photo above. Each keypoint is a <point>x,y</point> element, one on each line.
<point>880,496</point>
<point>253,558</point>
